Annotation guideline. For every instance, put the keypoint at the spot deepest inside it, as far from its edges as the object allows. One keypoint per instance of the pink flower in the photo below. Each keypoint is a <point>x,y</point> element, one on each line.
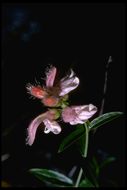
<point>49,124</point>
<point>54,95</point>
<point>51,94</point>
<point>78,114</point>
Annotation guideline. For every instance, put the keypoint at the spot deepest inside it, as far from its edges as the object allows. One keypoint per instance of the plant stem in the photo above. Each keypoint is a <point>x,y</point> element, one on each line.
<point>105,86</point>
<point>85,155</point>
<point>87,140</point>
<point>79,177</point>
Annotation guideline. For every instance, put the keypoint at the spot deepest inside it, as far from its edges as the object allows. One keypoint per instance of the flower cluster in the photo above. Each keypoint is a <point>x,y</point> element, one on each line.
<point>54,95</point>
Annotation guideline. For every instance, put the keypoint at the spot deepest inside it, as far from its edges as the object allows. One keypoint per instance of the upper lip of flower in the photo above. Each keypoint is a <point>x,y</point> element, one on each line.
<point>50,76</point>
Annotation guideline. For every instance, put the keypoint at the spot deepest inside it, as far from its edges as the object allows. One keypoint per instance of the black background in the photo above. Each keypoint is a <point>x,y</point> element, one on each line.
<point>78,36</point>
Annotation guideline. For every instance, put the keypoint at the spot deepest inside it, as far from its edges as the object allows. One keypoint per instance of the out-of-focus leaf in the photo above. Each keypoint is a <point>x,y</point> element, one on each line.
<point>86,183</point>
<point>51,176</point>
<point>107,161</point>
<point>71,138</point>
<point>105,118</point>
<point>95,166</point>
<point>8,130</point>
<point>4,157</point>
<point>5,184</point>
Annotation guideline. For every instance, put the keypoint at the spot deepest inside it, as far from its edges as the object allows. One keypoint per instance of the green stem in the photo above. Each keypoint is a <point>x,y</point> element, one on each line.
<point>87,140</point>
<point>79,177</point>
<point>85,155</point>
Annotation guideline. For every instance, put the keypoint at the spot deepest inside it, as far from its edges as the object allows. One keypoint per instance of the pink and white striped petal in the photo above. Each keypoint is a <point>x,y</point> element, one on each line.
<point>50,77</point>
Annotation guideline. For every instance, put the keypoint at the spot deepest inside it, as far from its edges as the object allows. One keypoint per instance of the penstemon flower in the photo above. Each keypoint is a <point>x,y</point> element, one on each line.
<point>78,114</point>
<point>56,95</point>
<point>51,93</point>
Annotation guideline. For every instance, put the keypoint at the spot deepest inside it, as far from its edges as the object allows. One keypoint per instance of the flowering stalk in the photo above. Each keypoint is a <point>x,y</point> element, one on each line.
<point>55,97</point>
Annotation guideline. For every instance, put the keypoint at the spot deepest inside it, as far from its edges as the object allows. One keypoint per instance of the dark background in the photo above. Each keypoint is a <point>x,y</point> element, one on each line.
<point>78,36</point>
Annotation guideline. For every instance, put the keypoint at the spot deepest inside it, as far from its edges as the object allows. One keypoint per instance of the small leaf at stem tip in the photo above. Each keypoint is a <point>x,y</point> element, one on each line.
<point>105,118</point>
<point>86,183</point>
<point>107,161</point>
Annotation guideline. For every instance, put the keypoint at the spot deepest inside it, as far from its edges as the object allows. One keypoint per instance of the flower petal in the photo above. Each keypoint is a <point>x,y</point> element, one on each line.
<point>50,76</point>
<point>52,126</point>
<point>31,130</point>
<point>36,91</point>
<point>76,121</point>
<point>68,84</point>
<point>50,101</point>
<point>85,112</point>
<point>46,130</point>
<point>68,114</point>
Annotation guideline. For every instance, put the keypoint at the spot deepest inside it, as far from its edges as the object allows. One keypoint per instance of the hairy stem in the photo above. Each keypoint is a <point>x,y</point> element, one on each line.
<point>85,155</point>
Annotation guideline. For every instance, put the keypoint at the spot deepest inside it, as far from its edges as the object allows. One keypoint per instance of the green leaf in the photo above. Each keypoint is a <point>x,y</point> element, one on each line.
<point>105,118</point>
<point>51,176</point>
<point>86,183</point>
<point>71,138</point>
<point>82,143</point>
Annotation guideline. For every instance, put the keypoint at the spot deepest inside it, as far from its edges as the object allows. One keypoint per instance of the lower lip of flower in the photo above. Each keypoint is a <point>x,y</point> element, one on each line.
<point>50,101</point>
